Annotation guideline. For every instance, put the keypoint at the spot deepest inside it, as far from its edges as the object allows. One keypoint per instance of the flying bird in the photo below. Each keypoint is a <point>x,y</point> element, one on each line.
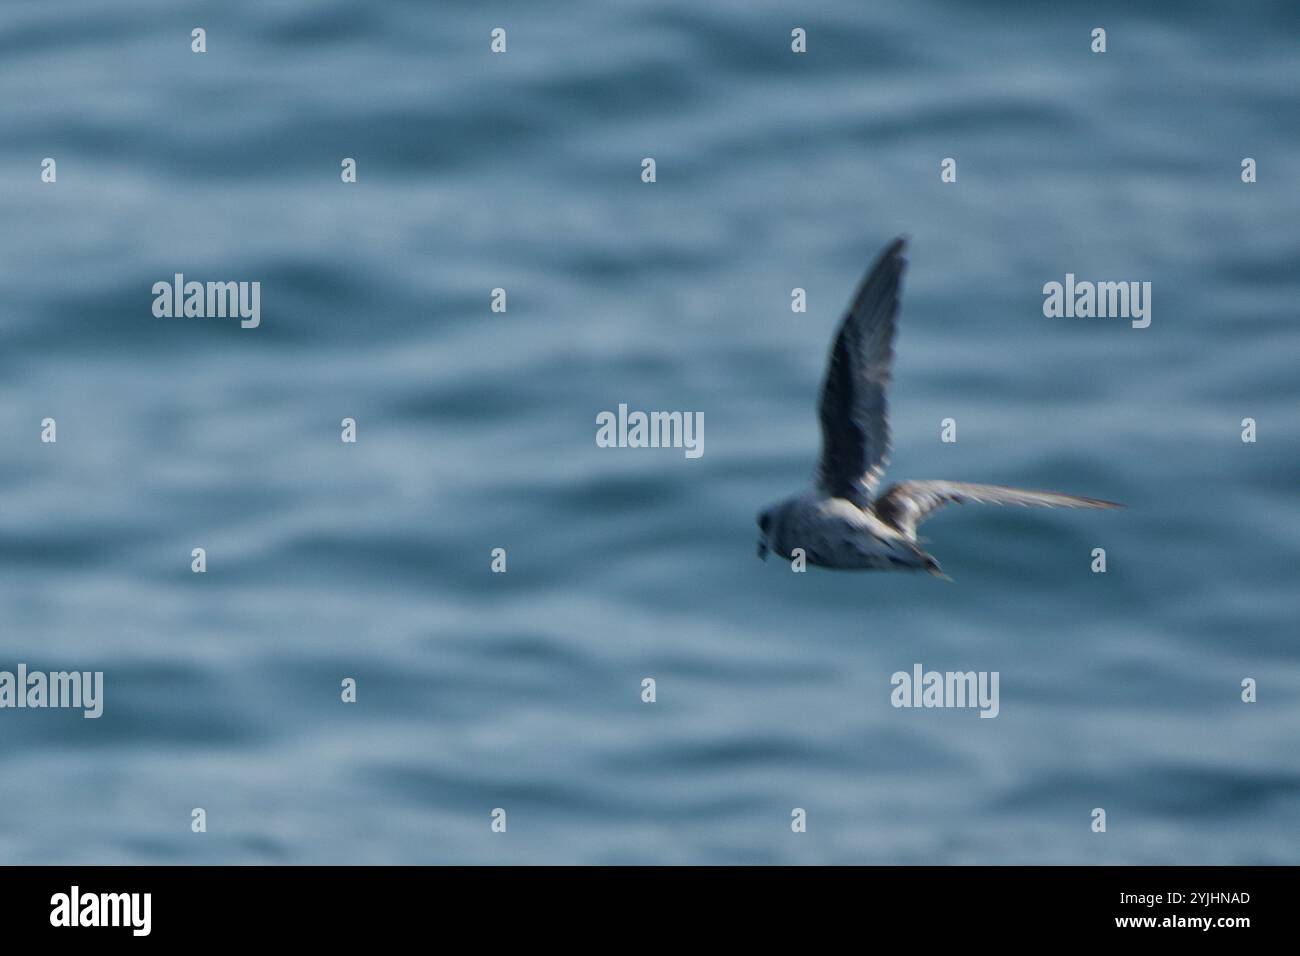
<point>842,522</point>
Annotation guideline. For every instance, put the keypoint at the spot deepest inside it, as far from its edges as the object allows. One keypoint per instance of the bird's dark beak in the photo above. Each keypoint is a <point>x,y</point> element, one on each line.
<point>762,550</point>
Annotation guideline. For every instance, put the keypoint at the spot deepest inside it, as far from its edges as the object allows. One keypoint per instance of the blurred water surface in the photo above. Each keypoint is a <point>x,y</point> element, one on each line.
<point>522,690</point>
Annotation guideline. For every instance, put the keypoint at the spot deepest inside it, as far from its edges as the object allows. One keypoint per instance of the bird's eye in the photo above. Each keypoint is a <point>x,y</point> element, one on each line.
<point>762,523</point>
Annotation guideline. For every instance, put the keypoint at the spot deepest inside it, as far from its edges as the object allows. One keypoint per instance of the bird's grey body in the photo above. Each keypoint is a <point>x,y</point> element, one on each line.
<point>841,522</point>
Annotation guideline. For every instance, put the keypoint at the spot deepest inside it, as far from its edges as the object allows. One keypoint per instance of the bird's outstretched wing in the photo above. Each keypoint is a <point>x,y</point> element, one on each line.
<point>853,411</point>
<point>908,503</point>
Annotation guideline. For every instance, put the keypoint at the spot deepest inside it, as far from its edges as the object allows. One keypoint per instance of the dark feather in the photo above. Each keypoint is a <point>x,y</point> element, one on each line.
<point>853,410</point>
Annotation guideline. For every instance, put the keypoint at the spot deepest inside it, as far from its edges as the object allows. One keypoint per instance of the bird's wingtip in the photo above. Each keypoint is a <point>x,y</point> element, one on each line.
<point>933,569</point>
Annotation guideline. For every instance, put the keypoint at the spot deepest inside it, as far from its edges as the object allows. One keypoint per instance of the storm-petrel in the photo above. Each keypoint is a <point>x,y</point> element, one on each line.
<point>841,523</point>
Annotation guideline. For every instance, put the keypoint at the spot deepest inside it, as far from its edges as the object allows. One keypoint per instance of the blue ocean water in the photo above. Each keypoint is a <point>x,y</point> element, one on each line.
<point>476,431</point>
